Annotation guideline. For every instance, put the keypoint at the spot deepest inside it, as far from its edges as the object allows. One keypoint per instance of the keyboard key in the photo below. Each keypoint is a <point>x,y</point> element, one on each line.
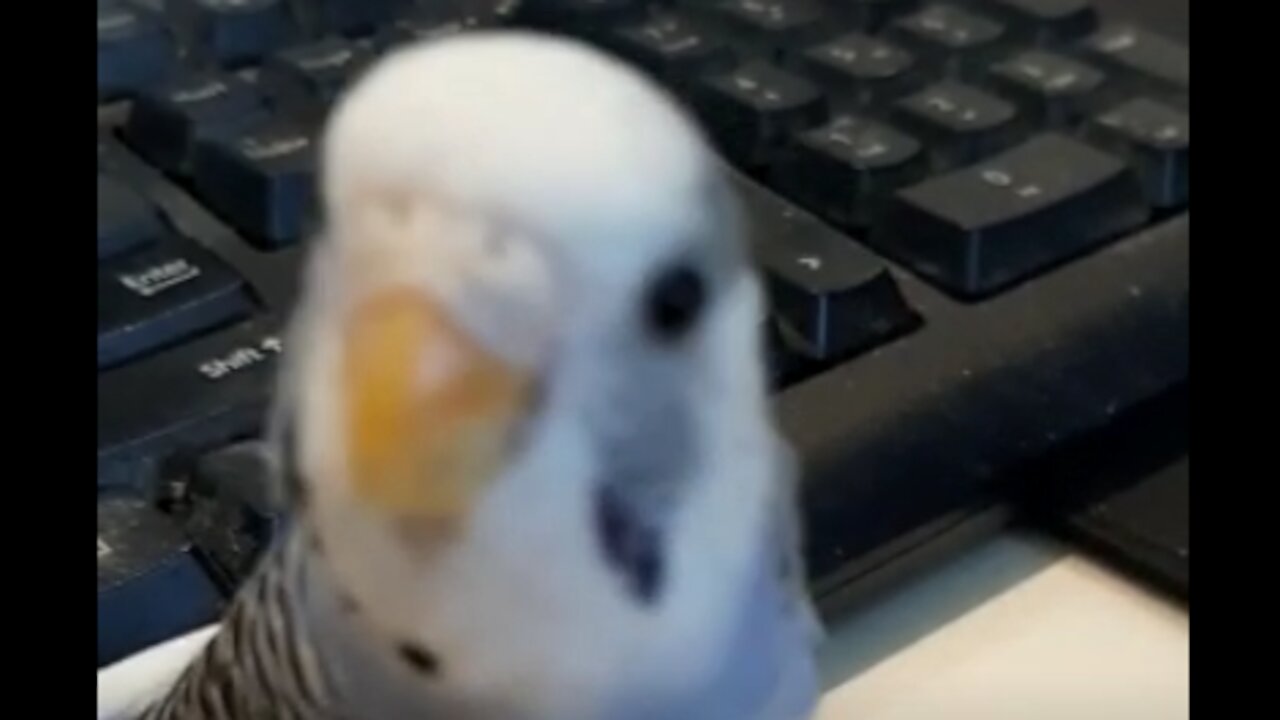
<point>153,298</point>
<point>672,48</point>
<point>1047,21</point>
<point>347,17</point>
<point>238,506</point>
<point>232,33</point>
<point>1156,139</point>
<point>190,398</point>
<point>427,23</point>
<point>1057,90</point>
<point>482,13</point>
<point>785,365</point>
<point>134,49</point>
<point>588,18</point>
<point>770,28</point>
<point>962,124</point>
<point>958,42</point>
<point>151,586</point>
<point>167,122</point>
<point>412,30</point>
<point>978,230</point>
<point>830,295</point>
<point>1148,61</point>
<point>860,71</point>
<point>306,80</point>
<point>847,169</point>
<point>754,108</point>
<point>262,180</point>
<point>871,15</point>
<point>126,220</point>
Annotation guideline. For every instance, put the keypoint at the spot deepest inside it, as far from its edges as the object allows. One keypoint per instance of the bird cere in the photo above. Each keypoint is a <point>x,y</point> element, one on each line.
<point>525,415</point>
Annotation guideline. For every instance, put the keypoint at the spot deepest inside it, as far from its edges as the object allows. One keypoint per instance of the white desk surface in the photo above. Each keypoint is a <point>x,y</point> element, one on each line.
<point>1017,628</point>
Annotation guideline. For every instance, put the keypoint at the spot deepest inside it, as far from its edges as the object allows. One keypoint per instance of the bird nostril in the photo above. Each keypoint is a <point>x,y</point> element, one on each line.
<point>396,206</point>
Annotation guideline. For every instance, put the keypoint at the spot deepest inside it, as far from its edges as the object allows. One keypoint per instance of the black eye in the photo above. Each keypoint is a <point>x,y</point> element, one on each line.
<point>674,301</point>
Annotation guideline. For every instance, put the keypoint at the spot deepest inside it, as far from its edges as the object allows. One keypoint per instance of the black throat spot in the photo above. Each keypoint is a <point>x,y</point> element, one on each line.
<point>631,546</point>
<point>419,658</point>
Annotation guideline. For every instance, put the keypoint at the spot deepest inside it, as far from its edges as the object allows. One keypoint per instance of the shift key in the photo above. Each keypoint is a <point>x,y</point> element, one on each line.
<point>172,291</point>
<point>202,394</point>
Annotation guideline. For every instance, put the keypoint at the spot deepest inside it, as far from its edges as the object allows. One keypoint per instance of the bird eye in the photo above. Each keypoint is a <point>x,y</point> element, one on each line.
<point>674,301</point>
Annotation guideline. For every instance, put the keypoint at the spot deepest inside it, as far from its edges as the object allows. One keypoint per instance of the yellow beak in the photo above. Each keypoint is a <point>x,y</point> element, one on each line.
<point>428,411</point>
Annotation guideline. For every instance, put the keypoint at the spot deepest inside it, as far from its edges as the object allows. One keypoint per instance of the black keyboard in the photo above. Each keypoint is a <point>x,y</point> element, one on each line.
<point>972,218</point>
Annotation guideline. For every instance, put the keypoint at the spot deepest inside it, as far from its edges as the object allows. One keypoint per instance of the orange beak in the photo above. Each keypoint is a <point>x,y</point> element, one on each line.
<point>428,412</point>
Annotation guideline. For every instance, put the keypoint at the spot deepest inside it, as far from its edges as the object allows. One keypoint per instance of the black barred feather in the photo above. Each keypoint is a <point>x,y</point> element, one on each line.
<point>260,666</point>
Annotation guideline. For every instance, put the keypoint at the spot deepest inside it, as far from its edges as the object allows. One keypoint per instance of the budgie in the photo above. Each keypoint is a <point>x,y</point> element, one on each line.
<point>523,419</point>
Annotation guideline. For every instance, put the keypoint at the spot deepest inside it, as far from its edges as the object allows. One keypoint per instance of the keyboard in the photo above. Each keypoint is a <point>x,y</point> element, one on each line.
<point>971,218</point>
<point>1124,497</point>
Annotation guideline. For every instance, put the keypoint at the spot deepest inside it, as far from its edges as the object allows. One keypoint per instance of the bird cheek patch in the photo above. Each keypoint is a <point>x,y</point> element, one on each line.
<point>427,410</point>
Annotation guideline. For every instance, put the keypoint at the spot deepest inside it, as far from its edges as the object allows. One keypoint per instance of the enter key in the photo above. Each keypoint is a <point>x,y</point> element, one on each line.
<point>170,292</point>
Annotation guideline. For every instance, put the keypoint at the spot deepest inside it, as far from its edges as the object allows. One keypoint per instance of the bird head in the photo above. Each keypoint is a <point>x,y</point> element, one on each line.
<point>513,224</point>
